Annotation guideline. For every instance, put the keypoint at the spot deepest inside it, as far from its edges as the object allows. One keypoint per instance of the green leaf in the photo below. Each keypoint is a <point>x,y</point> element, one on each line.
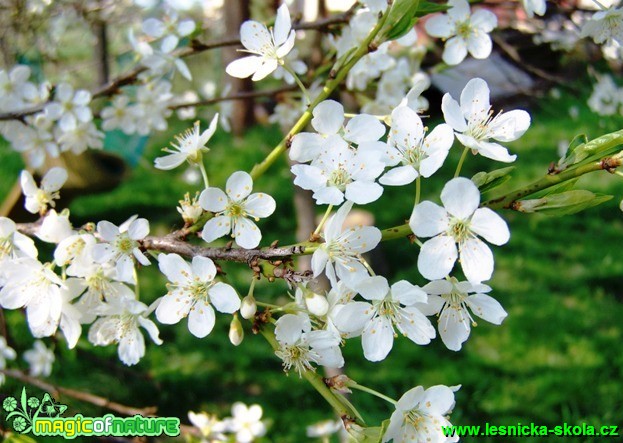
<point>556,189</point>
<point>564,203</point>
<point>18,438</point>
<point>586,151</point>
<point>489,180</point>
<point>580,139</point>
<point>402,17</point>
<point>426,8</point>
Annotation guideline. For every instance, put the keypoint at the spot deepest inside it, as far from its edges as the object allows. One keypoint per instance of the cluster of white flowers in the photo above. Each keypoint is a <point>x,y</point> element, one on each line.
<point>64,124</point>
<point>244,426</point>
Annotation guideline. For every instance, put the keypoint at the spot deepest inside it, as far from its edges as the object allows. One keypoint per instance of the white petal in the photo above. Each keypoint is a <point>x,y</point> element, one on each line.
<point>439,26</point>
<point>239,185</point>
<point>476,260</point>
<point>494,151</point>
<point>175,268</point>
<point>452,113</point>
<point>138,229</point>
<point>428,219</point>
<point>353,317</point>
<point>151,329</point>
<point>437,257</point>
<point>306,147</point>
<point>254,36</point>
<point>246,233</point>
<point>373,288</point>
<point>170,161</point>
<point>438,287</point>
<point>215,228</point>
<point>285,49</point>
<point>363,192</point>
<point>107,230</point>
<point>487,308</point>
<point>454,327</point>
<point>224,298</point>
<point>174,307</point>
<point>265,69</point>
<point>408,294</point>
<point>244,67</point>
<point>328,117</point>
<point>29,187</point>
<point>329,196</point>
<point>378,339</point>
<point>475,99</point>
<point>54,179</point>
<point>319,261</point>
<point>308,177</point>
<point>509,126</point>
<point>203,268</point>
<point>153,27</point>
<point>290,327</point>
<point>201,319</point>
<point>260,205</point>
<point>460,197</point>
<point>484,20</point>
<point>283,25</point>
<point>400,176</point>
<point>140,257</point>
<point>415,326</point>
<point>455,51</point>
<point>438,400</point>
<point>479,45</point>
<point>490,226</point>
<point>213,200</point>
<point>363,128</point>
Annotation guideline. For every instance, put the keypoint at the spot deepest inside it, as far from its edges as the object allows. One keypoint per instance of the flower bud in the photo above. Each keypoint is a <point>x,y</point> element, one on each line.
<point>236,333</point>
<point>190,209</point>
<point>316,304</point>
<point>248,307</point>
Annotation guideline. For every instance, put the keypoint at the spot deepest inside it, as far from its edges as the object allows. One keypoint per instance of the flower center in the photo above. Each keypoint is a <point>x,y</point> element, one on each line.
<point>234,209</point>
<point>125,244</point>
<point>478,125</point>
<point>296,356</point>
<point>459,230</point>
<point>339,178</point>
<point>463,29</point>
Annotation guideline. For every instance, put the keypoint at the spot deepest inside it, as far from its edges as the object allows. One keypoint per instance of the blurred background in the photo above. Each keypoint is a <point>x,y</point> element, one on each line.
<point>556,358</point>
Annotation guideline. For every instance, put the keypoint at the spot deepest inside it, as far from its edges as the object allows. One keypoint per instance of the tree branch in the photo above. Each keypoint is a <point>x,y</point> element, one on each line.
<point>240,96</point>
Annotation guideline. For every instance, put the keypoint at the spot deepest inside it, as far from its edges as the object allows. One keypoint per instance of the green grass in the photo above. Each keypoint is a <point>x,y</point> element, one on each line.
<point>555,359</point>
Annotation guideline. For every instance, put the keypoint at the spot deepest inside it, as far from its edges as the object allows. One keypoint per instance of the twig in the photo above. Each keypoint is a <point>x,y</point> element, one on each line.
<point>80,395</point>
<point>240,96</point>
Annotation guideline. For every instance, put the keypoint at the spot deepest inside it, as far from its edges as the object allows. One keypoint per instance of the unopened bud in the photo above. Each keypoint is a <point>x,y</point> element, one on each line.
<point>190,209</point>
<point>236,333</point>
<point>316,304</point>
<point>248,307</point>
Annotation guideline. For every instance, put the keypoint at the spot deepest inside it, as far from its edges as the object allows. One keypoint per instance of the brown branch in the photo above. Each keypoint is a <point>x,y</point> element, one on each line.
<point>196,47</point>
<point>80,395</point>
<point>240,96</point>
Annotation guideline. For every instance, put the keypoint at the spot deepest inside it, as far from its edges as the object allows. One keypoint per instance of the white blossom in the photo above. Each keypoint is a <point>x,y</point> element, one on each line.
<point>410,153</point>
<point>389,308</point>
<point>458,223</point>
<point>120,322</point>
<point>450,300</point>
<point>55,227</point>
<point>69,107</point>
<point>340,254</point>
<point>38,199</point>
<point>475,123</point>
<point>246,422</point>
<point>121,115</point>
<point>299,346</point>
<point>234,210</point>
<point>194,293</point>
<point>164,60</point>
<point>268,47</point>
<point>40,359</point>
<point>604,26</point>
<point>77,137</point>
<point>420,416</point>
<point>532,7</point>
<point>121,244</point>
<point>211,428</point>
<point>465,32</point>
<point>606,98</point>
<point>190,147</point>
<point>14,244</point>
<point>170,26</point>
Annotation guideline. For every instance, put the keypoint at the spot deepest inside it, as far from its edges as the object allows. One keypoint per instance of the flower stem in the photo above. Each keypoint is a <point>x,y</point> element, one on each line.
<point>315,380</point>
<point>298,82</point>
<point>363,49</point>
<point>460,165</point>
<point>204,174</point>
<point>355,385</point>
<point>418,189</point>
<point>322,222</point>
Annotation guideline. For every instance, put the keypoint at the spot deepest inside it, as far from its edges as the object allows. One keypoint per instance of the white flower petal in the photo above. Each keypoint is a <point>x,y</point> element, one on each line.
<point>437,257</point>
<point>215,228</point>
<point>490,226</point>
<point>487,308</point>
<point>203,268</point>
<point>363,128</point>
<point>138,229</point>
<point>201,319</point>
<point>363,192</point>
<point>407,294</point>
<point>260,205</point>
<point>452,113</point>
<point>283,25</point>
<point>170,161</point>
<point>224,298</point>
<point>439,26</point>
<point>509,126</point>
<point>373,288</point>
<point>454,327</point>
<point>353,317</point>
<point>244,67</point>
<point>174,307</point>
<point>460,197</point>
<point>54,179</point>
<point>328,117</point>
<point>428,219</point>
<point>377,339</point>
<point>306,147</point>
<point>213,200</point>
<point>413,324</point>
<point>479,45</point>
<point>455,51</point>
<point>254,36</point>
<point>476,260</point>
<point>239,185</point>
<point>246,233</point>
<point>400,176</point>
<point>265,69</point>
